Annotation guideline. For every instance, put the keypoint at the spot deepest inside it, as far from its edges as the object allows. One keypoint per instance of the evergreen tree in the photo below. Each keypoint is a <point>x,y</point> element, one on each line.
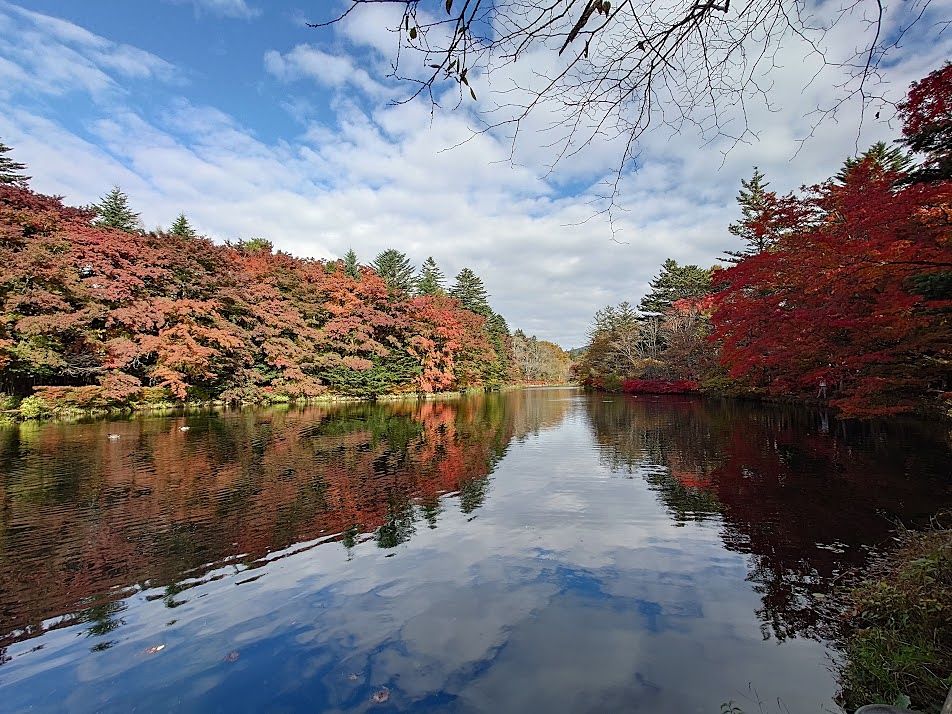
<point>883,156</point>
<point>755,203</point>
<point>396,270</point>
<point>113,211</point>
<point>499,370</point>
<point>10,170</point>
<point>675,282</point>
<point>430,280</point>
<point>471,293</point>
<point>351,266</point>
<point>182,227</point>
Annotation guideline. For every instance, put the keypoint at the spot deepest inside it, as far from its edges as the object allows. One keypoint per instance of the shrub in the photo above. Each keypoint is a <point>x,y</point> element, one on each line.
<point>70,398</point>
<point>899,647</point>
<point>155,395</point>
<point>33,408</point>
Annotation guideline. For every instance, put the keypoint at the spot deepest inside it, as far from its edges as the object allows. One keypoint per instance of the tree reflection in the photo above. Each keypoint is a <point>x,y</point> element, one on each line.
<point>806,499</point>
<point>83,518</point>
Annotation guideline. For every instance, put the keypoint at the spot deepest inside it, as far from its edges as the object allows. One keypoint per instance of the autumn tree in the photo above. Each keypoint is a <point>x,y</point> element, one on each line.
<point>927,124</point>
<point>395,270</point>
<point>91,316</point>
<point>622,343</point>
<point>181,227</point>
<point>539,360</point>
<point>675,282</point>
<point>11,172</point>
<point>431,280</point>
<point>113,211</point>
<point>686,328</point>
<point>838,300</point>
<point>857,295</point>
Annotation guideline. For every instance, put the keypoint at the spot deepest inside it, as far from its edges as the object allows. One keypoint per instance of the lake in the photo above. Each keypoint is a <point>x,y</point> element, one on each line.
<point>536,550</point>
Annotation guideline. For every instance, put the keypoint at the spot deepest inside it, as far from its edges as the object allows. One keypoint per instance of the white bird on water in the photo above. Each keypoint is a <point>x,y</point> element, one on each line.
<point>112,437</point>
<point>184,428</point>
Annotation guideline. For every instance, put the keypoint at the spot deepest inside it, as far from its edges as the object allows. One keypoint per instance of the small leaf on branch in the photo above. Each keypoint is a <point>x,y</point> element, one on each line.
<point>472,92</point>
<point>413,33</point>
<point>449,5</point>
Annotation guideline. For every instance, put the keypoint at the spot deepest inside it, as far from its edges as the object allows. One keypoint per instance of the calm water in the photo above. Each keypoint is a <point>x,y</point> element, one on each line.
<point>543,550</point>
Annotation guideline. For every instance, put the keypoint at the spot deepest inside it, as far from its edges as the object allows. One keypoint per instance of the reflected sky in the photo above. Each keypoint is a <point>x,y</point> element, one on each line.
<point>532,551</point>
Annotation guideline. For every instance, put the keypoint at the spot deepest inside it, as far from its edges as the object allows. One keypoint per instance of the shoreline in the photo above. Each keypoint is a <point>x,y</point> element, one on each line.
<point>12,417</point>
<point>942,412</point>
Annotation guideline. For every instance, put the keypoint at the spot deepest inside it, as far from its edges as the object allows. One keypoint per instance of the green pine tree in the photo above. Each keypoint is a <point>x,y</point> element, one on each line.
<point>182,227</point>
<point>754,202</point>
<point>351,266</point>
<point>396,270</point>
<point>675,282</point>
<point>113,211</point>
<point>884,158</point>
<point>430,281</point>
<point>471,293</point>
<point>498,371</point>
<point>10,170</point>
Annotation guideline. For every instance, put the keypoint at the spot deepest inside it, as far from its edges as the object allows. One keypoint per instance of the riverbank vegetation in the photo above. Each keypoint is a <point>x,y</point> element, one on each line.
<point>899,646</point>
<point>841,292</point>
<point>99,314</point>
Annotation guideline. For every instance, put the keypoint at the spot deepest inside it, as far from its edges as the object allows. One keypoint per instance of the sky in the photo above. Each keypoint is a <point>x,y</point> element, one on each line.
<point>255,125</point>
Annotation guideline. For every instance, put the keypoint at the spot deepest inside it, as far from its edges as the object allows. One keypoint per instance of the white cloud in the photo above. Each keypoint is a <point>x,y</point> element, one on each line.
<point>329,70</point>
<point>48,55</point>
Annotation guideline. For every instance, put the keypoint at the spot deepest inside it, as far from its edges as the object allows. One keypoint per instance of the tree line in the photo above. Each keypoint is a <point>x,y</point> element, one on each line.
<point>98,313</point>
<point>841,291</point>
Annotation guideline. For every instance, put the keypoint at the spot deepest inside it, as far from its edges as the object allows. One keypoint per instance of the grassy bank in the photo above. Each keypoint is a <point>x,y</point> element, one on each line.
<point>898,646</point>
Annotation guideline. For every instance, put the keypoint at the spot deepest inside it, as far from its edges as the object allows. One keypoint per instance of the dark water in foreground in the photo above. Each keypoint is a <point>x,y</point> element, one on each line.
<point>535,551</point>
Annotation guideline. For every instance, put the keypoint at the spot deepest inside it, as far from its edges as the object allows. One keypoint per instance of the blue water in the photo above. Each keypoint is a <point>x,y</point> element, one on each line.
<point>543,550</point>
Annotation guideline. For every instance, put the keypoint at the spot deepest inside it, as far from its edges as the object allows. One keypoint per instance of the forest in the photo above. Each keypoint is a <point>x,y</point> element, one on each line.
<point>840,292</point>
<point>100,314</point>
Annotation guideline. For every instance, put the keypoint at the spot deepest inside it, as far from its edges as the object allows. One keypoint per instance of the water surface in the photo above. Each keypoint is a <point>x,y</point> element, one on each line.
<point>541,550</point>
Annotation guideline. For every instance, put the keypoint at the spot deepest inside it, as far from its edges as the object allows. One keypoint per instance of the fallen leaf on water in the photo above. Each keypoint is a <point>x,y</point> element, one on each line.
<point>381,696</point>
<point>154,649</point>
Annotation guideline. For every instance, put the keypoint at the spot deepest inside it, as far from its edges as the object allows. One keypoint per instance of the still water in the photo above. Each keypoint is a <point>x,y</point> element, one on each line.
<point>541,550</point>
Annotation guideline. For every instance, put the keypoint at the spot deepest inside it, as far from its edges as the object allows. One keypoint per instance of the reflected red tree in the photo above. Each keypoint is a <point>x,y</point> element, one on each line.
<point>807,499</point>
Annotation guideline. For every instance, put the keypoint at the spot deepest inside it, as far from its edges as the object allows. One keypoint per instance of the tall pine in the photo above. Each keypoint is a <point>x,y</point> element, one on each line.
<point>498,371</point>
<point>755,205</point>
<point>396,270</point>
<point>430,281</point>
<point>10,170</point>
<point>471,293</point>
<point>113,211</point>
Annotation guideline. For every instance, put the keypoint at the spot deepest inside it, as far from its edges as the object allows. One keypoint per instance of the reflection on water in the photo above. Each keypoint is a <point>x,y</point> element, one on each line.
<point>537,550</point>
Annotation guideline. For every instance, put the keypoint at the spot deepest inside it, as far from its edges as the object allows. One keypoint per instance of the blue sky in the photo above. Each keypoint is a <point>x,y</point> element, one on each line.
<point>255,125</point>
